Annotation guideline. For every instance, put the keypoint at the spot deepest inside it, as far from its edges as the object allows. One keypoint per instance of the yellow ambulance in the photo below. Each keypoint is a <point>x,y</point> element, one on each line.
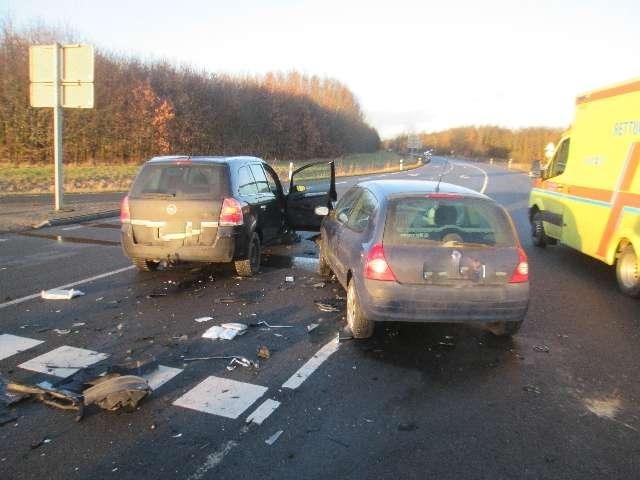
<point>588,196</point>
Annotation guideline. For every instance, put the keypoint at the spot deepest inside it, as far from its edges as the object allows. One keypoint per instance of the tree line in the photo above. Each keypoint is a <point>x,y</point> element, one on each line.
<point>522,145</point>
<point>144,109</point>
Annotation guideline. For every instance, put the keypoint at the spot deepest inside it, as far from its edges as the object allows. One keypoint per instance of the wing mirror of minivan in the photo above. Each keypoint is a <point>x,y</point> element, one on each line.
<point>322,211</point>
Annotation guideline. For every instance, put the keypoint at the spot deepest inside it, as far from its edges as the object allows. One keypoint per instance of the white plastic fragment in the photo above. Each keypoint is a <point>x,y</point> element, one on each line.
<point>59,294</point>
<point>274,438</point>
<point>203,319</point>
<point>226,331</point>
<point>289,278</point>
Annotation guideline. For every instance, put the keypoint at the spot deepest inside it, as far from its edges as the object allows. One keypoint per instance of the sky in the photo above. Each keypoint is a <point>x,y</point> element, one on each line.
<point>413,65</point>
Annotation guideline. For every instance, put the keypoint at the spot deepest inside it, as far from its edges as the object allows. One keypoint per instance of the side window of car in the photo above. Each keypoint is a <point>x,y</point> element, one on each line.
<point>344,206</point>
<point>362,212</point>
<point>273,182</point>
<point>559,162</point>
<point>261,179</point>
<point>246,182</point>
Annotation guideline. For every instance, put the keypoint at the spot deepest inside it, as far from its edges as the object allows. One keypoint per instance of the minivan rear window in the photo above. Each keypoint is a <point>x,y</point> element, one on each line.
<point>470,221</point>
<point>181,181</point>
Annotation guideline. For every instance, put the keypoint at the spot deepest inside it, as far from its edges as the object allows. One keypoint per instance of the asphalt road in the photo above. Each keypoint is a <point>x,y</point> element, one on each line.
<point>415,401</point>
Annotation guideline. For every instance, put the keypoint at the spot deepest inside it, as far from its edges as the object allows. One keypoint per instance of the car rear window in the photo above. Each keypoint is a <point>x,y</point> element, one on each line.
<point>181,181</point>
<point>470,221</point>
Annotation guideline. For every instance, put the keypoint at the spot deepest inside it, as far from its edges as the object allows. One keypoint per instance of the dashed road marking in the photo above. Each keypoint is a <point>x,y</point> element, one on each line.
<point>12,344</point>
<point>311,365</point>
<point>72,227</point>
<point>63,361</point>
<point>161,375</point>
<point>261,413</point>
<point>486,176</point>
<point>68,285</point>
<point>221,396</point>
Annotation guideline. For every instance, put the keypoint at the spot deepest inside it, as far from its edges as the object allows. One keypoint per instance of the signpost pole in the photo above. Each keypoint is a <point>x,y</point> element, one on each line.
<point>57,128</point>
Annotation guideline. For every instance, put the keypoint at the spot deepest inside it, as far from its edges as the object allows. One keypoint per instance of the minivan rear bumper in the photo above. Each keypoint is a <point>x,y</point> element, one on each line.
<point>227,247</point>
<point>392,301</point>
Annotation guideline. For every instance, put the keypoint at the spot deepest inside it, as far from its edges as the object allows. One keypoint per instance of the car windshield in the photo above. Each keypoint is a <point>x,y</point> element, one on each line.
<point>180,181</point>
<point>447,222</point>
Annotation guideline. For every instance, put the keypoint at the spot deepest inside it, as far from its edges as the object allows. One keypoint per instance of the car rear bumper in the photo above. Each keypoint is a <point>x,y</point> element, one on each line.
<point>226,247</point>
<point>391,301</point>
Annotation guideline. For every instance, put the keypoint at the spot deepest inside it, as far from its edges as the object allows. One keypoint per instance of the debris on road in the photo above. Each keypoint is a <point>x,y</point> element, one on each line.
<point>59,294</point>
<point>38,444</point>
<point>115,392</point>
<point>266,324</point>
<point>326,307</point>
<point>60,331</point>
<point>289,279</point>
<point>312,326</point>
<point>226,331</point>
<point>79,324</point>
<point>203,319</point>
<point>263,352</point>
<point>274,438</point>
<point>177,435</point>
<point>541,348</point>
<point>531,389</point>
<point>319,285</point>
<point>235,360</point>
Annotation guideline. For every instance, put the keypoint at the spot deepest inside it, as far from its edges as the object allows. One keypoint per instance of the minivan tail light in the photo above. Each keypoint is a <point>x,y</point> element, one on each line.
<point>521,272</point>
<point>376,266</point>
<point>231,213</point>
<point>125,213</point>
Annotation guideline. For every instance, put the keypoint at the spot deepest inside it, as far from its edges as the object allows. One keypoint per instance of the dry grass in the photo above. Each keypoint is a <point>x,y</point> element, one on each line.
<point>25,179</point>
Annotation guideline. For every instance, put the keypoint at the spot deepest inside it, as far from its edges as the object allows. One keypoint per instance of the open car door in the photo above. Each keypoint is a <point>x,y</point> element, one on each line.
<point>311,186</point>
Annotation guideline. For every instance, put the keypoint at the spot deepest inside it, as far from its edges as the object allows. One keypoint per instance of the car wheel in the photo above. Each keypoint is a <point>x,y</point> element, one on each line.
<point>323,266</point>
<point>359,325</point>
<point>251,265</point>
<point>537,231</point>
<point>144,265</point>
<point>505,329</point>
<point>628,272</point>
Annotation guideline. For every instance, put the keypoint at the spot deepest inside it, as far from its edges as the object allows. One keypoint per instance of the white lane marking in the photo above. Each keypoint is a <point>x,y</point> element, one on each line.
<point>63,361</point>
<point>68,285</point>
<point>261,413</point>
<point>341,183</point>
<point>12,344</point>
<point>161,375</point>
<point>221,396</point>
<point>312,364</point>
<point>3,239</point>
<point>486,176</point>
<point>213,460</point>
<point>413,174</point>
<point>72,227</point>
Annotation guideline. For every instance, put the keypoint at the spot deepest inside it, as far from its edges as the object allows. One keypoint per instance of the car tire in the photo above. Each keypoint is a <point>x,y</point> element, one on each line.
<point>324,270</point>
<point>144,265</point>
<point>249,266</point>
<point>505,329</point>
<point>538,234</point>
<point>628,272</point>
<point>360,326</point>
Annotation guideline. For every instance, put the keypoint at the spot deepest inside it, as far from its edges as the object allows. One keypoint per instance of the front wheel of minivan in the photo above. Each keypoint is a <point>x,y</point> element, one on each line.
<point>249,266</point>
<point>359,325</point>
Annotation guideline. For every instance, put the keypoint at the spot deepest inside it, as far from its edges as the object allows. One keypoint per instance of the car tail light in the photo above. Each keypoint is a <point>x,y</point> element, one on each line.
<point>445,195</point>
<point>521,272</point>
<point>231,213</point>
<point>125,213</point>
<point>376,266</point>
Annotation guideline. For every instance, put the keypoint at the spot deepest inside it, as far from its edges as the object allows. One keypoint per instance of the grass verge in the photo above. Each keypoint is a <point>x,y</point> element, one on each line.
<point>16,180</point>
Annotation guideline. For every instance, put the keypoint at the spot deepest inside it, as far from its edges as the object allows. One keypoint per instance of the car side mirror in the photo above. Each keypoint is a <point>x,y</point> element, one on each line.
<point>322,211</point>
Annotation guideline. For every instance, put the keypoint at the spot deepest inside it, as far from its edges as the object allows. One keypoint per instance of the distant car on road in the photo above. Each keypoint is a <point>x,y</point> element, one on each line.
<point>421,252</point>
<point>218,209</point>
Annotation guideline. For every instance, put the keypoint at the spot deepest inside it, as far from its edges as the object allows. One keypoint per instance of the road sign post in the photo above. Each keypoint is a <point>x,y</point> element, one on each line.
<point>61,77</point>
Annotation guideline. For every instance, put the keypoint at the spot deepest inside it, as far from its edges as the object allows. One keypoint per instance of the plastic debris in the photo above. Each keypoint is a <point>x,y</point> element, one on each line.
<point>326,307</point>
<point>312,326</point>
<point>289,279</point>
<point>203,319</point>
<point>79,324</point>
<point>59,294</point>
<point>319,285</point>
<point>177,435</point>
<point>63,331</point>
<point>541,348</point>
<point>117,392</point>
<point>263,352</point>
<point>226,331</point>
<point>274,438</point>
<point>531,389</point>
<point>243,362</point>
<point>266,324</point>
